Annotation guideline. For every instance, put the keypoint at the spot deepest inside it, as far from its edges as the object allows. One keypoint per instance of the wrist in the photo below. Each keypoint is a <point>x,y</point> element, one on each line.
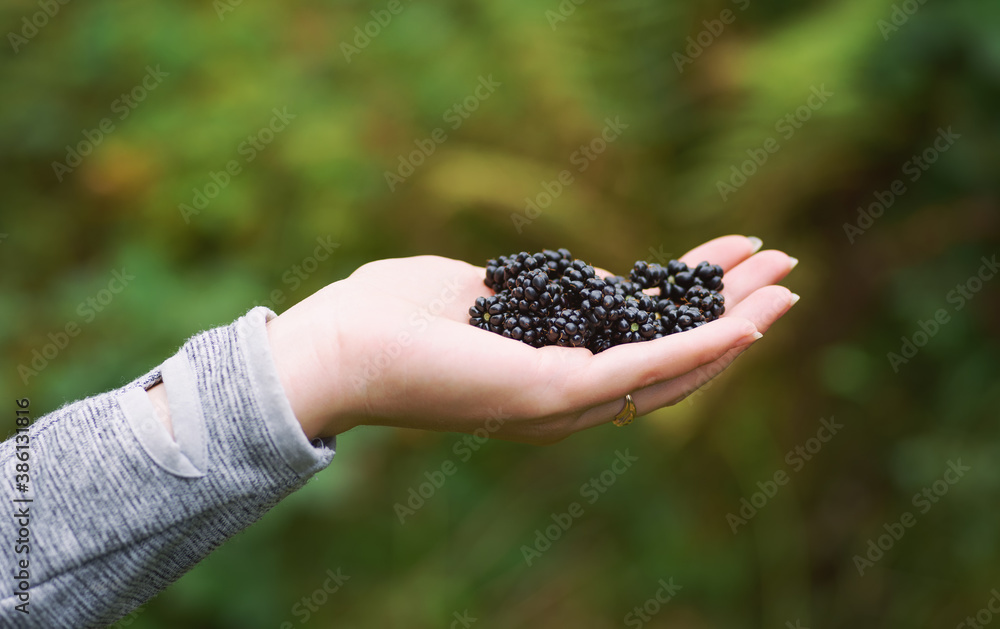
<point>304,355</point>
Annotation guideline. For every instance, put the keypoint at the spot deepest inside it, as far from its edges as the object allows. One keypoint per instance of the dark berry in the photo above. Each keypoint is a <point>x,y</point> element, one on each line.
<point>676,266</point>
<point>569,328</point>
<point>648,275</point>
<point>550,298</point>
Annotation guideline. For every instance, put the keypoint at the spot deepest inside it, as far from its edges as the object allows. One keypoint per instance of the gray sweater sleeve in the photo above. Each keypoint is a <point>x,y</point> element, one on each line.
<point>119,509</point>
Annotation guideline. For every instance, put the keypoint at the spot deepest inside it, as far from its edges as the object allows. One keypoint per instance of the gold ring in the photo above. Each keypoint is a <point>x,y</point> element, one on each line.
<point>627,414</point>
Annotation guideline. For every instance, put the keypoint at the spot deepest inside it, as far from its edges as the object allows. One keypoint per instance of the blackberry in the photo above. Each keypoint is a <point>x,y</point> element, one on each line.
<point>568,328</point>
<point>670,290</point>
<point>526,328</point>
<point>579,271</point>
<point>684,279</point>
<point>634,325</point>
<point>499,270</point>
<point>676,266</point>
<point>648,275</point>
<point>550,298</point>
<point>679,278</point>
<point>492,314</point>
<point>533,292</point>
<point>642,301</point>
<point>602,306</point>
<point>478,313</point>
<point>709,275</point>
<point>667,311</point>
<point>664,307</point>
<point>599,343</point>
<point>715,307</point>
<point>696,295</point>
<point>688,318</point>
<point>485,312</point>
<point>710,303</point>
<point>629,288</point>
<point>557,261</point>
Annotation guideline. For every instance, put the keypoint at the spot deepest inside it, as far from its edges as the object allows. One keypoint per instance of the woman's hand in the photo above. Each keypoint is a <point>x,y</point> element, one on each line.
<point>392,345</point>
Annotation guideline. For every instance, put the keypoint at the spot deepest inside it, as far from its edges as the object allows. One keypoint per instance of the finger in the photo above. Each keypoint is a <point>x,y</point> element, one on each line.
<point>762,269</point>
<point>681,388</point>
<point>762,308</point>
<point>625,368</point>
<point>603,273</point>
<point>727,251</point>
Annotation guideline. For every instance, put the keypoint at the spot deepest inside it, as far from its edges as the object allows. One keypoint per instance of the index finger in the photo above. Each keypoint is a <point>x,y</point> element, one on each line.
<point>727,251</point>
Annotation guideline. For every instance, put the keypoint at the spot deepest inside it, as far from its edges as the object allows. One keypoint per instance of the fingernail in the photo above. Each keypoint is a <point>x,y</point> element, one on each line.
<point>794,262</point>
<point>795,298</point>
<point>756,242</point>
<point>757,336</point>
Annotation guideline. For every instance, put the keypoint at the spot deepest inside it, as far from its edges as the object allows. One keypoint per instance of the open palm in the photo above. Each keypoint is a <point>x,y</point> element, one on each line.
<point>392,345</point>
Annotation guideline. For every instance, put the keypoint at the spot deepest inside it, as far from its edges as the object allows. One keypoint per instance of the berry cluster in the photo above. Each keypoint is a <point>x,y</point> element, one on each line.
<point>550,298</point>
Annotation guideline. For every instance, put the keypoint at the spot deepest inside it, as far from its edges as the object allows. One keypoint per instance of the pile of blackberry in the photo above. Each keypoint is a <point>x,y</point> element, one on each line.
<point>551,298</point>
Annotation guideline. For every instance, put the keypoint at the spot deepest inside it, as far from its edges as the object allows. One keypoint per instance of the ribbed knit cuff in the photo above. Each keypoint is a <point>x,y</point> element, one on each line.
<point>282,427</point>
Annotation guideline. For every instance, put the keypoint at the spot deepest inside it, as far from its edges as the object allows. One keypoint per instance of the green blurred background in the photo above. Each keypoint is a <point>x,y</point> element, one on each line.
<point>654,191</point>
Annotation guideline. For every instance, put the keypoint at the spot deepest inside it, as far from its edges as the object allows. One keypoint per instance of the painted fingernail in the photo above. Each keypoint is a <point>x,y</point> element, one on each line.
<point>756,242</point>
<point>795,298</point>
<point>794,262</point>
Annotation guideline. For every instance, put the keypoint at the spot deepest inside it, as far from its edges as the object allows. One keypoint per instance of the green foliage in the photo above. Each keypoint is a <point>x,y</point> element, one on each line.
<point>654,189</point>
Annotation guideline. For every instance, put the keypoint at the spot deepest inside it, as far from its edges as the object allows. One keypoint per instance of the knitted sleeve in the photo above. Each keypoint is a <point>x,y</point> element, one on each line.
<point>114,509</point>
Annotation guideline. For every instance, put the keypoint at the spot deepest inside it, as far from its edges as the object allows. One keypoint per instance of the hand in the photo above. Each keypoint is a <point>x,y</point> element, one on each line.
<point>392,345</point>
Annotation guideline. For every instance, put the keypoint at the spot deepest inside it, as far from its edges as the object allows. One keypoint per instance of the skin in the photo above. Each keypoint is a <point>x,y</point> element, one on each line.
<point>374,350</point>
